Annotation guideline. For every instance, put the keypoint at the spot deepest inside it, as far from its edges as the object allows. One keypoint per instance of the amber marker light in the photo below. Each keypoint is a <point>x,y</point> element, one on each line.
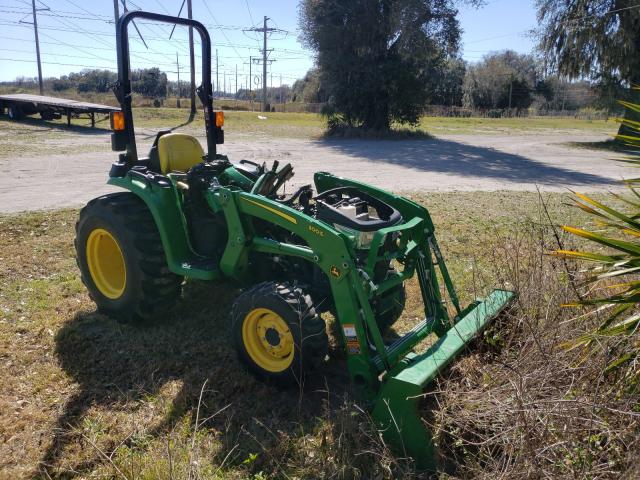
<point>117,121</point>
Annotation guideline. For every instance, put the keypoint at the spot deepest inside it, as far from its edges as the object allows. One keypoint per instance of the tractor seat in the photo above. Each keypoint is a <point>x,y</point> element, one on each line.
<point>178,152</point>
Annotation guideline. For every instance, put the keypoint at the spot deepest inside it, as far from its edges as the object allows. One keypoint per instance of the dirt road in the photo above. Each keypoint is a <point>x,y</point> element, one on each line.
<point>456,162</point>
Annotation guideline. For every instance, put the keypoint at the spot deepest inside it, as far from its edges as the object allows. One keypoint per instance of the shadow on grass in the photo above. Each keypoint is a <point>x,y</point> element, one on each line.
<point>368,134</point>
<point>49,125</point>
<point>115,364</point>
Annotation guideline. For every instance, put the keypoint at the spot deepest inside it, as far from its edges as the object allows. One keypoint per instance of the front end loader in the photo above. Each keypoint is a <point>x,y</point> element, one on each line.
<point>340,246</point>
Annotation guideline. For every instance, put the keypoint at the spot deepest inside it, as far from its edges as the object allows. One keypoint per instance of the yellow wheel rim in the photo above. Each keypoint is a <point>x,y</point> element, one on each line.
<point>268,340</point>
<point>106,263</point>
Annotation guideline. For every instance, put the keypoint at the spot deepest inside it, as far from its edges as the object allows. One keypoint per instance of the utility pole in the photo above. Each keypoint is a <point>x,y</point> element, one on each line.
<point>116,11</point>
<point>250,80</point>
<point>192,61</point>
<point>178,68</point>
<point>264,30</point>
<point>264,61</point>
<point>236,81</point>
<point>35,31</point>
<point>510,93</point>
<point>217,79</point>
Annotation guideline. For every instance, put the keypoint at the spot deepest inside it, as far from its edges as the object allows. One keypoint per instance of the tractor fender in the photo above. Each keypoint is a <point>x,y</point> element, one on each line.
<point>161,197</point>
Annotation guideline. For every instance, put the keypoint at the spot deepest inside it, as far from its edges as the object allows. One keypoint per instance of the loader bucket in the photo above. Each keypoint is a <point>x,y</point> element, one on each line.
<point>396,408</point>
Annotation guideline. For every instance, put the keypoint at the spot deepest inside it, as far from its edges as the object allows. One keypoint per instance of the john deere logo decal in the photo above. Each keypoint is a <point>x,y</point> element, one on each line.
<point>335,271</point>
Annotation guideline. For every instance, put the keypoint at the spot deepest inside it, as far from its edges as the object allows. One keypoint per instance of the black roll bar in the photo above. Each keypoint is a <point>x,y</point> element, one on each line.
<point>124,81</point>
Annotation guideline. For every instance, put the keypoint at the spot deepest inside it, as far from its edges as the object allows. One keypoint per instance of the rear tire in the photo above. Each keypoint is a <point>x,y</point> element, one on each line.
<point>277,332</point>
<point>121,258</point>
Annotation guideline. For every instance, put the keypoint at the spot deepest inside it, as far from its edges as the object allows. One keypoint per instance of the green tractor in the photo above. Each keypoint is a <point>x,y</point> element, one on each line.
<point>343,247</point>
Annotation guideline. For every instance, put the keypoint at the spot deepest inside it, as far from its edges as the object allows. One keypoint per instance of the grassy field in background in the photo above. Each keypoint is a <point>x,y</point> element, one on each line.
<point>33,136</point>
<point>288,125</point>
<point>82,395</point>
<point>310,125</point>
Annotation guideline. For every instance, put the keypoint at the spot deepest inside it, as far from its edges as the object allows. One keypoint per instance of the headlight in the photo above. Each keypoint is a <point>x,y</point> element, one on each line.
<point>362,239</point>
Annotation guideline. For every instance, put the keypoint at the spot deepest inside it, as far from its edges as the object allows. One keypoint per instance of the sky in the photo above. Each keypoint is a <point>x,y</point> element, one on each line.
<point>78,34</point>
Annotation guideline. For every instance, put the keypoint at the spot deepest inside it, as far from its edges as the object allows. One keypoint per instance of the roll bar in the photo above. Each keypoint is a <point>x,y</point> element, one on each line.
<point>123,87</point>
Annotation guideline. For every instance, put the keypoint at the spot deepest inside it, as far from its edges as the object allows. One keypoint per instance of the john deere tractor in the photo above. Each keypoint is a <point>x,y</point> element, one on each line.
<point>336,246</point>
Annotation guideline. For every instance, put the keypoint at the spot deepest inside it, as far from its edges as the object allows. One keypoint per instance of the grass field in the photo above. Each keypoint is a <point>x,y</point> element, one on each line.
<point>33,136</point>
<point>310,125</point>
<point>83,396</point>
<point>281,125</point>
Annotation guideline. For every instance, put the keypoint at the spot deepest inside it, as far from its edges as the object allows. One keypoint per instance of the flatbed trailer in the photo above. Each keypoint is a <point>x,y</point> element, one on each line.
<point>18,105</point>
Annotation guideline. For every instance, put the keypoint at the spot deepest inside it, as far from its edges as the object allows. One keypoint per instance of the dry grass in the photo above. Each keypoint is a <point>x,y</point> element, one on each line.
<point>82,396</point>
<point>522,406</point>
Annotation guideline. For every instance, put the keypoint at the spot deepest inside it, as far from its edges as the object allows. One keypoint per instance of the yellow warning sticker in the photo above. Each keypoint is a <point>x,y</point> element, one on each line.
<point>353,345</point>
<point>353,348</point>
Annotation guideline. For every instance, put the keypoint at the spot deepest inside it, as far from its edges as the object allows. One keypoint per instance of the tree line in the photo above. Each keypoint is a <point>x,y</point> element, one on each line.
<point>150,82</point>
<point>380,62</point>
<point>501,81</point>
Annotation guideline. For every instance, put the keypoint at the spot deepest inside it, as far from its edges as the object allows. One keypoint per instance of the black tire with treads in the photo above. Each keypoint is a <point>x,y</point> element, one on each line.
<point>150,287</point>
<point>387,319</point>
<point>296,309</point>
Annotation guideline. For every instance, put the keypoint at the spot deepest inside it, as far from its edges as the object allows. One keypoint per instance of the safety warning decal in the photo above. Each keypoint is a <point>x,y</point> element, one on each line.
<point>353,345</point>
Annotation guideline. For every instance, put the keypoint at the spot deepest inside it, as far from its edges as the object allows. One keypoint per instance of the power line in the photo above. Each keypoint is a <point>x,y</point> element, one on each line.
<point>567,23</point>
<point>105,34</point>
<point>51,54</point>
<point>25,10</point>
<point>100,37</point>
<point>162,7</point>
<point>221,31</point>
<point>81,8</point>
<point>54,41</point>
<point>246,2</point>
<point>44,14</point>
<point>76,47</point>
<point>56,63</point>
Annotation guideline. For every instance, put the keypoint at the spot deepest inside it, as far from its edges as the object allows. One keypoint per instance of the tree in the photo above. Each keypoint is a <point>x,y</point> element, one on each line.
<point>599,39</point>
<point>378,59</point>
<point>150,82</point>
<point>309,89</point>
<point>93,80</point>
<point>448,89</point>
<point>501,80</point>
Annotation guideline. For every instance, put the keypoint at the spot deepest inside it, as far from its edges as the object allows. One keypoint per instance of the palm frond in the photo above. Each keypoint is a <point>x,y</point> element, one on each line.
<point>621,263</point>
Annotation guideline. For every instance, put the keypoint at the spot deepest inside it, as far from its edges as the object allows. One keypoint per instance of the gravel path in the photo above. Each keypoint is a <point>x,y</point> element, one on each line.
<point>456,162</point>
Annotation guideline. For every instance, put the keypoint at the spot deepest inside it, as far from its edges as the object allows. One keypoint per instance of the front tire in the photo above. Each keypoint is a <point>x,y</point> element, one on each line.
<point>277,332</point>
<point>394,301</point>
<point>121,258</point>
